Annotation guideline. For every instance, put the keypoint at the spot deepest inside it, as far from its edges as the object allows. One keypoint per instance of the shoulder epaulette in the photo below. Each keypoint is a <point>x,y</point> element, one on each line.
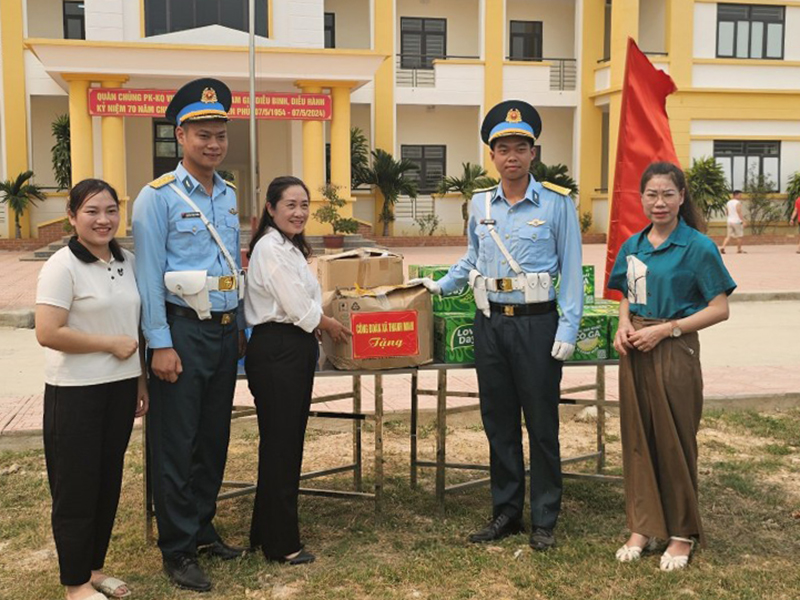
<point>488,189</point>
<point>229,184</point>
<point>556,188</point>
<point>162,181</point>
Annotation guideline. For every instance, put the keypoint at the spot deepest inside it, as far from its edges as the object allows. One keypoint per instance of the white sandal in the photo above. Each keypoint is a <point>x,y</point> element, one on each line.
<point>676,563</point>
<point>630,553</point>
<point>109,585</point>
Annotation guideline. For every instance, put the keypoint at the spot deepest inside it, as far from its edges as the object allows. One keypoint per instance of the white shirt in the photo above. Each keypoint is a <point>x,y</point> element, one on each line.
<point>280,286</point>
<point>733,214</point>
<point>102,298</point>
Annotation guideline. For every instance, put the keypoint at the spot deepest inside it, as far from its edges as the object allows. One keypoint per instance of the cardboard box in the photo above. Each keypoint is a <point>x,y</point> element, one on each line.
<point>362,267</point>
<point>592,342</point>
<point>453,338</point>
<point>462,302</point>
<point>392,327</point>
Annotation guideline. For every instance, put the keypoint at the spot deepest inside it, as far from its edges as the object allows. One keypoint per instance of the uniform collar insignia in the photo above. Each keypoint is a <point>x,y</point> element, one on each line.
<point>187,183</point>
<point>209,96</point>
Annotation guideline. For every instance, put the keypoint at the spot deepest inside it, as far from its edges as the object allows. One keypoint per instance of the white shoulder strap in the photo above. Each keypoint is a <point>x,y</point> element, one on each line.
<point>496,236</point>
<point>211,229</point>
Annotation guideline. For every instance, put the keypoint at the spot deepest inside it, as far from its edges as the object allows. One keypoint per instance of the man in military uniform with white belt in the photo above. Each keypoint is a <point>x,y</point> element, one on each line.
<point>186,231</point>
<point>521,235</point>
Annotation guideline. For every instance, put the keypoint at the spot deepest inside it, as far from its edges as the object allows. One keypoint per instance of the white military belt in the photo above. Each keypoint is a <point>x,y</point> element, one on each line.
<point>504,284</point>
<point>225,283</point>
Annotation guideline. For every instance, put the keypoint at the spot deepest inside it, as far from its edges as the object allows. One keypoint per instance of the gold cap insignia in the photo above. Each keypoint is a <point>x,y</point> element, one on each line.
<point>209,96</point>
<point>514,116</point>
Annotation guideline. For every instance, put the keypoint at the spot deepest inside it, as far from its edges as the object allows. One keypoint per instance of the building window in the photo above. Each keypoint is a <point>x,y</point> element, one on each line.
<point>422,41</point>
<point>606,32</point>
<point>431,161</point>
<point>167,16</point>
<point>525,40</point>
<point>330,30</point>
<point>74,21</point>
<point>750,31</point>
<point>740,160</point>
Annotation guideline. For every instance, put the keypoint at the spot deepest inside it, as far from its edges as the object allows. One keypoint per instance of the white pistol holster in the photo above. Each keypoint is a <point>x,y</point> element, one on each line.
<point>191,287</point>
<point>478,284</point>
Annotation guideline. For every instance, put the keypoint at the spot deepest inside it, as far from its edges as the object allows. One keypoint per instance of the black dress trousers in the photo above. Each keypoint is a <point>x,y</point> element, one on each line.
<point>189,426</point>
<point>280,363</point>
<point>517,375</point>
<point>86,432</point>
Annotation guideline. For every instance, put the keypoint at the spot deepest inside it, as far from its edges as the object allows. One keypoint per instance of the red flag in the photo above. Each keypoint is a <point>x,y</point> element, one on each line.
<point>644,137</point>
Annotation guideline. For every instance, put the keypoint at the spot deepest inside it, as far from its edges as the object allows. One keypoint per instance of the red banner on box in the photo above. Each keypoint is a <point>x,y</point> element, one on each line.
<point>124,102</point>
<point>385,334</point>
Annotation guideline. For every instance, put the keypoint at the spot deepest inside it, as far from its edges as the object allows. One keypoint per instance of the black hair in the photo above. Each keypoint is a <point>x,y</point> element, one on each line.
<point>274,193</point>
<point>82,191</point>
<point>688,211</point>
<point>737,192</point>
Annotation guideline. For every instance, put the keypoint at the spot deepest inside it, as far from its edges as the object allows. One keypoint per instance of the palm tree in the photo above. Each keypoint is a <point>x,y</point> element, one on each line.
<point>60,152</point>
<point>473,178</point>
<point>359,157</point>
<point>708,186</point>
<point>390,176</point>
<point>555,174</point>
<point>18,195</point>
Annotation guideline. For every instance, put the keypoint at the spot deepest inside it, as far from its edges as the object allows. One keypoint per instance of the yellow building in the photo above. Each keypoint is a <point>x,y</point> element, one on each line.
<point>416,76</point>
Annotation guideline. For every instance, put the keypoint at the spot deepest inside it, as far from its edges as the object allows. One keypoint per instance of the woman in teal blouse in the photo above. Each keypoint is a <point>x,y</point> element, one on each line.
<point>674,283</point>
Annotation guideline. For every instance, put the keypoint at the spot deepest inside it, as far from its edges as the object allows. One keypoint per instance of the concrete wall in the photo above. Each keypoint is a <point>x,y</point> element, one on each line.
<point>558,24</point>
<point>104,20</point>
<point>45,19</point>
<point>44,109</point>
<point>556,138</point>
<point>298,23</point>
<point>352,25</point>
<point>463,22</point>
<point>138,154</point>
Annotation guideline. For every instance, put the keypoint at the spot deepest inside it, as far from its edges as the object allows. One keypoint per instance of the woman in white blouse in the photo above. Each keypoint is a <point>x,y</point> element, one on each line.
<point>87,318</point>
<point>283,304</point>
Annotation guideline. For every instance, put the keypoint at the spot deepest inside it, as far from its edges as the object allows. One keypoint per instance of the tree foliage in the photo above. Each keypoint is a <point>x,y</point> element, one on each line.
<point>473,178</point>
<point>708,186</point>
<point>329,212</point>
<point>61,153</point>
<point>390,176</point>
<point>359,157</point>
<point>762,211</point>
<point>19,194</point>
<point>555,174</point>
<point>793,191</point>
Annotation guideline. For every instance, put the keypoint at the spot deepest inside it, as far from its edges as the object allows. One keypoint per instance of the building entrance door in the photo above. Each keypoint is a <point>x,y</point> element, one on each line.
<point>167,152</point>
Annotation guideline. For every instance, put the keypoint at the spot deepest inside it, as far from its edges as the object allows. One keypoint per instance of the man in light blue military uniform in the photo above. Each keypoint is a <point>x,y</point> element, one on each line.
<point>521,235</point>
<point>190,287</point>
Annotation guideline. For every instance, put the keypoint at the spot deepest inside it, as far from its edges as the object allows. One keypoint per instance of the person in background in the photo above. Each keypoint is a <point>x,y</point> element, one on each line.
<point>736,223</point>
<point>522,234</point>
<point>794,218</point>
<point>283,305</point>
<point>87,318</point>
<point>190,286</point>
<point>674,284</point>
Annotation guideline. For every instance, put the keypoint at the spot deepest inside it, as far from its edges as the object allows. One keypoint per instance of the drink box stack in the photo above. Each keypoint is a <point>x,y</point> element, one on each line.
<point>588,284</point>
<point>453,318</point>
<point>596,332</point>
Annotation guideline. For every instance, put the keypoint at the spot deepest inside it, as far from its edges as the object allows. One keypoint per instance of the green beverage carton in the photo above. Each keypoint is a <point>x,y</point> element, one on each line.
<point>592,342</point>
<point>462,302</point>
<point>588,284</point>
<point>453,338</point>
<point>613,325</point>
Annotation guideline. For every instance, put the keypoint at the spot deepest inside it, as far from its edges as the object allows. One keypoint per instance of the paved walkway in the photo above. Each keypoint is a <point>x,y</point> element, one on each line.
<point>755,356</point>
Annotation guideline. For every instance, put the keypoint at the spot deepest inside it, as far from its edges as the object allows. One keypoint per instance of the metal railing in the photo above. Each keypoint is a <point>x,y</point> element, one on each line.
<point>563,71</point>
<point>416,70</point>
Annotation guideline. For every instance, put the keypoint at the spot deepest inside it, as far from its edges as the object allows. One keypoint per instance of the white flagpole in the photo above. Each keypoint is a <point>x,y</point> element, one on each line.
<point>254,184</point>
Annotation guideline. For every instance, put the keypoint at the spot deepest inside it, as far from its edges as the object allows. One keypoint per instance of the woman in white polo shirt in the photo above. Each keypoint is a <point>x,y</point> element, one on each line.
<point>87,318</point>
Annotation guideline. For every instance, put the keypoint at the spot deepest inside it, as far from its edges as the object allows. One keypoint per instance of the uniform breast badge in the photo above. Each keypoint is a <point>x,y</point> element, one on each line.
<point>536,222</point>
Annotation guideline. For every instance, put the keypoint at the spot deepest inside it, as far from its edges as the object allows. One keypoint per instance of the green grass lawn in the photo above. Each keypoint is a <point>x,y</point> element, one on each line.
<point>750,499</point>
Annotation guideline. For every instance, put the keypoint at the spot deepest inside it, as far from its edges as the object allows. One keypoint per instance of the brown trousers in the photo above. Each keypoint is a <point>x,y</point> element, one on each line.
<point>661,402</point>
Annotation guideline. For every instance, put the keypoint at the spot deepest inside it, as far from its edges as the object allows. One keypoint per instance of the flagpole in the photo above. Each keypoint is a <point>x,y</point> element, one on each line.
<point>254,184</point>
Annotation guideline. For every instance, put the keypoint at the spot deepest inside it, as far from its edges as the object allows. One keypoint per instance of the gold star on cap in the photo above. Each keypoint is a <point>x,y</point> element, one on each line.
<point>514,116</point>
<point>209,96</point>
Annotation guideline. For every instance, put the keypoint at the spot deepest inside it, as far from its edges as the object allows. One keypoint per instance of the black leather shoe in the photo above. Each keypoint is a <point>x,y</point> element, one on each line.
<point>501,526</point>
<point>303,558</point>
<point>184,572</point>
<point>542,539</point>
<point>220,549</point>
